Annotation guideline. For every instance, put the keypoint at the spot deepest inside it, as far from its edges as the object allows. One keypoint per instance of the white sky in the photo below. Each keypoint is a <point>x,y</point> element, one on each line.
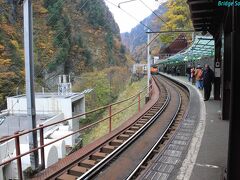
<point>135,8</point>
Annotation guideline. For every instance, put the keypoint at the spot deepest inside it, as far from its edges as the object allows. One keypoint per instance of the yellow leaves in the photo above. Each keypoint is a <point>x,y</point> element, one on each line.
<point>43,10</point>
<point>39,8</point>
<point>51,51</point>
<point>22,73</point>
<point>15,43</point>
<point>21,52</point>
<point>2,47</point>
<point>42,45</point>
<point>51,33</point>
<point>7,75</point>
<point>177,17</point>
<point>5,62</point>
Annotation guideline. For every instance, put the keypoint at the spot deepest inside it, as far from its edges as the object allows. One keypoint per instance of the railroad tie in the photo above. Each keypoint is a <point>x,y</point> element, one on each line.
<point>130,132</point>
<point>77,171</point>
<point>87,163</point>
<point>67,177</point>
<point>98,155</point>
<point>138,124</point>
<point>116,142</point>
<point>123,136</point>
<point>134,128</point>
<point>107,149</point>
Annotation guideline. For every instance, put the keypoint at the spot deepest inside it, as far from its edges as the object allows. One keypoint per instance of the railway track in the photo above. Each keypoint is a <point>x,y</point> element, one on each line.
<point>103,157</point>
<point>133,163</point>
<point>160,146</point>
<point>94,162</point>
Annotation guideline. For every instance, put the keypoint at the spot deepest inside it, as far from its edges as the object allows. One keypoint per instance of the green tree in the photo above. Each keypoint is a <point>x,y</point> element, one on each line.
<point>62,38</point>
<point>98,15</point>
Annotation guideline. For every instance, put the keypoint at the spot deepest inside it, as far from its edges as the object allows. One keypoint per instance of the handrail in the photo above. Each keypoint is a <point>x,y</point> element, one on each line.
<point>41,128</point>
<point>67,119</point>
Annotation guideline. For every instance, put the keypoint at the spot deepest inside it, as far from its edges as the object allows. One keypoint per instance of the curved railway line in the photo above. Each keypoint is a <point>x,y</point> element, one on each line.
<point>160,146</point>
<point>136,145</point>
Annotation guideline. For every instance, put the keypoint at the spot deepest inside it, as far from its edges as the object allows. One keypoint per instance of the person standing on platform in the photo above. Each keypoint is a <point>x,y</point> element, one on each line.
<point>199,77</point>
<point>188,72</point>
<point>174,70</point>
<point>193,75</point>
<point>208,79</point>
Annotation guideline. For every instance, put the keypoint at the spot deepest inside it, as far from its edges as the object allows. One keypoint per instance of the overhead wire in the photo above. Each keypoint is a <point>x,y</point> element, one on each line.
<point>133,17</point>
<point>154,12</point>
<point>141,21</point>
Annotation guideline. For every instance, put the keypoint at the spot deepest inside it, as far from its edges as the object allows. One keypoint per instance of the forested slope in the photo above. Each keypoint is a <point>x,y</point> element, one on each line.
<point>70,37</point>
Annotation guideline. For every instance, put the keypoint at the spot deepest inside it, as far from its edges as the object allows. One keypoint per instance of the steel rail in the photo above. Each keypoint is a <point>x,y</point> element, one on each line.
<point>70,134</point>
<point>67,167</point>
<point>95,169</point>
<point>41,128</point>
<point>159,140</point>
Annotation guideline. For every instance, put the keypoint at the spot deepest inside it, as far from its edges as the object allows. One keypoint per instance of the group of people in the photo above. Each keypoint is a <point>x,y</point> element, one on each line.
<point>174,70</point>
<point>203,78</point>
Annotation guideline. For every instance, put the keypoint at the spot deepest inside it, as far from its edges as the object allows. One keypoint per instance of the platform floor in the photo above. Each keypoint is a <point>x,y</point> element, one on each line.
<point>211,156</point>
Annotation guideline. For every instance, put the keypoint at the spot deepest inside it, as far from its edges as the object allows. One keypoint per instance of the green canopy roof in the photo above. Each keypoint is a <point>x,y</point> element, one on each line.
<point>203,46</point>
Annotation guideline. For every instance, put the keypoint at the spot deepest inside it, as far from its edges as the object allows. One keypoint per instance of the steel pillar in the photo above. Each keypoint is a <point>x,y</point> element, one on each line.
<point>217,65</point>
<point>226,71</point>
<point>148,60</point>
<point>233,172</point>
<point>29,77</point>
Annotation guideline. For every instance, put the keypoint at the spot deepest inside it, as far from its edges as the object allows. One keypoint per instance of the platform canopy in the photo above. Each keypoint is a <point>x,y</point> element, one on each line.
<point>203,46</point>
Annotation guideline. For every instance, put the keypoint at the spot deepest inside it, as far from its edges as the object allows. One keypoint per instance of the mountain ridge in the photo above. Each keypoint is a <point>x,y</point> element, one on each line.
<point>137,39</point>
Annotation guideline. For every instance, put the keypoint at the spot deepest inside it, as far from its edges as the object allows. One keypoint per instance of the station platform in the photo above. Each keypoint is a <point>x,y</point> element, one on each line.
<point>206,158</point>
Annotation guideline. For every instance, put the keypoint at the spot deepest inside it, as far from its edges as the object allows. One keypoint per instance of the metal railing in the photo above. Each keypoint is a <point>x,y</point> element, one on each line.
<point>17,135</point>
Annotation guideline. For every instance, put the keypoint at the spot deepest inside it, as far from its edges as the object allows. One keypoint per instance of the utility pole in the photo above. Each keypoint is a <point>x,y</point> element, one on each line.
<point>148,59</point>
<point>29,77</point>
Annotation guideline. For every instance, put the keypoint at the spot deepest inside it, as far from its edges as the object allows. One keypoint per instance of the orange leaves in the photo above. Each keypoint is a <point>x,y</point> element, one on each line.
<point>8,29</point>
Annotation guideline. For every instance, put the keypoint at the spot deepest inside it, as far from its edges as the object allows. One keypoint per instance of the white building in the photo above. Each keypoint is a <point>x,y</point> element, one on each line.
<point>139,68</point>
<point>155,60</point>
<point>50,108</point>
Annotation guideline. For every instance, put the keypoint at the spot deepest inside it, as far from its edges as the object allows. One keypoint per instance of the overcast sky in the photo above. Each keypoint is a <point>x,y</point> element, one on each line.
<point>135,8</point>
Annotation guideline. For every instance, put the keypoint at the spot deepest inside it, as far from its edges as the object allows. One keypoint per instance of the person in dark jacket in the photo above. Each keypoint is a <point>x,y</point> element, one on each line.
<point>188,72</point>
<point>208,79</point>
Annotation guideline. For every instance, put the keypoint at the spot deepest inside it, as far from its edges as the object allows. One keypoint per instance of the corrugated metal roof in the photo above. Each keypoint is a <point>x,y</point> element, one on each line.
<point>203,46</point>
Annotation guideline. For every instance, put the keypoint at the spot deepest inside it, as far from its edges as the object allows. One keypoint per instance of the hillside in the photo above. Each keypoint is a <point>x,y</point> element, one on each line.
<point>70,37</point>
<point>136,40</point>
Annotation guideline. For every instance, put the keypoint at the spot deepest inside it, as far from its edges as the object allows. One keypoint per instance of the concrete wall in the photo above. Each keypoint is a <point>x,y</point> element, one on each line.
<point>7,151</point>
<point>45,105</point>
<point>64,107</point>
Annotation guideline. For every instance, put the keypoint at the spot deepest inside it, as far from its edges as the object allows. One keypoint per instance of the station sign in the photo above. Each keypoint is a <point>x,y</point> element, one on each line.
<point>217,72</point>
